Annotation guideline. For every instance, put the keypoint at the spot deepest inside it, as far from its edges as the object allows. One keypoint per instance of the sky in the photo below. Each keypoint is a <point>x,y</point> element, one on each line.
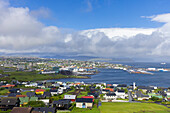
<point>91,14</point>
<point>136,29</point>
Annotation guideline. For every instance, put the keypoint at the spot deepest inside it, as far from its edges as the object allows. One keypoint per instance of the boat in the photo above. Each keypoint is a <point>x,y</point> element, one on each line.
<point>162,70</point>
<point>163,63</point>
<point>139,72</point>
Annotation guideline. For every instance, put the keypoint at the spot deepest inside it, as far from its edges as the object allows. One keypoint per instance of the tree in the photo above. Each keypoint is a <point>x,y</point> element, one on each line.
<point>36,104</point>
<point>154,98</point>
<point>98,88</point>
<point>87,88</point>
<point>126,90</point>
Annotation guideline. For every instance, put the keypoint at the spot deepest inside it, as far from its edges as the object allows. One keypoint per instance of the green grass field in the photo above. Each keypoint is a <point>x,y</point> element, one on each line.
<point>84,110</point>
<point>133,108</point>
<point>34,76</point>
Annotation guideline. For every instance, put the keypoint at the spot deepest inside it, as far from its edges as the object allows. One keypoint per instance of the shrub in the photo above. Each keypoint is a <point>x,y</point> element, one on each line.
<point>36,104</point>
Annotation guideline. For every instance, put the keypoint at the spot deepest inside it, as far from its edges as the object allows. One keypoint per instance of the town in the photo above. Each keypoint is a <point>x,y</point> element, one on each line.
<point>24,87</point>
<point>52,97</point>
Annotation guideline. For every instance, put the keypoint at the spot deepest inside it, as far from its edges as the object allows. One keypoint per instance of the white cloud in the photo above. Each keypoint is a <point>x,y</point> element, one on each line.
<point>161,18</point>
<point>21,32</point>
<point>115,33</point>
<point>41,13</point>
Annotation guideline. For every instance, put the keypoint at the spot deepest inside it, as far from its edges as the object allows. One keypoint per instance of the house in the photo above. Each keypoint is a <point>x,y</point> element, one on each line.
<point>168,93</point>
<point>104,91</point>
<point>31,85</point>
<point>39,91</point>
<point>46,101</point>
<point>8,103</point>
<point>95,94</point>
<point>71,97</point>
<point>33,98</point>
<point>62,104</point>
<point>60,91</point>
<point>146,89</point>
<point>88,97</point>
<point>53,92</point>
<point>84,102</point>
<point>141,96</point>
<point>21,110</point>
<point>120,94</point>
<point>23,100</point>
<point>21,96</point>
<point>47,94</point>
<point>13,94</point>
<point>120,86</point>
<point>99,86</point>
<point>31,94</point>
<point>14,90</point>
<point>110,89</point>
<point>8,86</point>
<point>44,110</point>
<point>110,96</point>
<point>155,95</point>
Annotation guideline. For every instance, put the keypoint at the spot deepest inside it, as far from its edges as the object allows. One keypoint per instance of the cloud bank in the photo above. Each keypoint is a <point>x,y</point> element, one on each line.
<point>22,32</point>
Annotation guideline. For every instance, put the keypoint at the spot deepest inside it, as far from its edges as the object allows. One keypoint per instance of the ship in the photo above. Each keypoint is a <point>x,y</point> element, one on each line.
<point>139,72</point>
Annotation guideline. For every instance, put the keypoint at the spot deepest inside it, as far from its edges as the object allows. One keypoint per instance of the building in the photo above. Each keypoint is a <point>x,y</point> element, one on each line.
<point>141,96</point>
<point>39,91</point>
<point>71,97</point>
<point>110,96</point>
<point>21,110</point>
<point>8,103</point>
<point>84,102</point>
<point>62,104</point>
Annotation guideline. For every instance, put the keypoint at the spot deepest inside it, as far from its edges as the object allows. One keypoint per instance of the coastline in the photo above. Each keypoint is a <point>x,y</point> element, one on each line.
<point>34,76</point>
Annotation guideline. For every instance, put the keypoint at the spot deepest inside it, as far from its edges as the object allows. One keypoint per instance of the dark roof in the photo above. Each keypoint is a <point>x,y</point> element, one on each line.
<point>107,90</point>
<point>53,90</point>
<point>40,96</point>
<point>122,85</point>
<point>44,109</point>
<point>87,100</point>
<point>111,94</point>
<point>47,94</point>
<point>21,110</point>
<point>94,94</point>
<point>139,94</point>
<point>13,94</point>
<point>111,86</point>
<point>146,87</point>
<point>62,101</point>
<point>30,94</point>
<point>14,90</point>
<point>9,101</point>
<point>121,91</point>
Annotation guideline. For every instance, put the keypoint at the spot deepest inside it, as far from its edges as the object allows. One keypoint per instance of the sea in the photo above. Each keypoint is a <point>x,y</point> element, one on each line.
<point>115,76</point>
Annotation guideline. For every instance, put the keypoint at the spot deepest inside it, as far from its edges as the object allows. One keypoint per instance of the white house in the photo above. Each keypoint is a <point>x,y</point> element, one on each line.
<point>120,94</point>
<point>46,101</point>
<point>71,97</point>
<point>110,96</point>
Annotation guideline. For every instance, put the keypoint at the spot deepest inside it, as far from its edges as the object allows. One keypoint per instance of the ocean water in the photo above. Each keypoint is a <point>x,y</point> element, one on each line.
<point>113,76</point>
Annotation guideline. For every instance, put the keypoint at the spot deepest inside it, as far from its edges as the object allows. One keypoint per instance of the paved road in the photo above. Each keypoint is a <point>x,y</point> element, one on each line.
<point>130,96</point>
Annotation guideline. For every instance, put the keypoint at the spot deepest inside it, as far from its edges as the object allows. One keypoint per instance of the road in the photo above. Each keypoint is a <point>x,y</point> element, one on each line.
<point>130,96</point>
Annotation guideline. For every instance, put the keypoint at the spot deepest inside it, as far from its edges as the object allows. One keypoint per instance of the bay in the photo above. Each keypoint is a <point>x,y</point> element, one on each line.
<point>114,76</point>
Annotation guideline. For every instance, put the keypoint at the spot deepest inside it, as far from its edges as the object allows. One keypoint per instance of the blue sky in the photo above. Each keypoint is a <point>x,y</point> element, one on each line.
<point>90,14</point>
